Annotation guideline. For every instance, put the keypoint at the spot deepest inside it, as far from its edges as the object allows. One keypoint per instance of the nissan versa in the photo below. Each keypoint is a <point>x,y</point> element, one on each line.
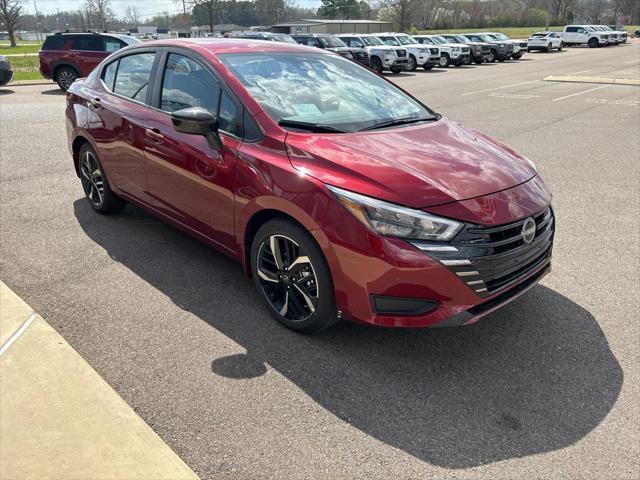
<point>342,195</point>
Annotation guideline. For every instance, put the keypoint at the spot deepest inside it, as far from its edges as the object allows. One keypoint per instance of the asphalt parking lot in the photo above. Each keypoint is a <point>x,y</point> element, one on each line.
<point>547,387</point>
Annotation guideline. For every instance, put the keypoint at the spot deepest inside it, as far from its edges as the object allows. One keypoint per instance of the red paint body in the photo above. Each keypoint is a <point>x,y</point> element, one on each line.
<point>440,167</point>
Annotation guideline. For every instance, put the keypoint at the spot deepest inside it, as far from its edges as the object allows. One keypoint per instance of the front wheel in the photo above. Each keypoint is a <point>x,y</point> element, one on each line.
<point>593,43</point>
<point>413,63</point>
<point>376,65</point>
<point>395,70</point>
<point>445,61</point>
<point>95,184</point>
<point>478,61</point>
<point>428,66</point>
<point>292,276</point>
<point>491,58</point>
<point>560,46</point>
<point>65,78</point>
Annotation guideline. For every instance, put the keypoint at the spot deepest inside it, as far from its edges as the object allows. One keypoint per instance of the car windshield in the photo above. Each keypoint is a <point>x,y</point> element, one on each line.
<point>487,38</point>
<point>127,39</point>
<point>460,39</point>
<point>501,36</point>
<point>284,39</point>
<point>390,41</point>
<point>438,39</point>
<point>331,42</point>
<point>425,40</point>
<point>372,41</point>
<point>406,40</point>
<point>319,92</point>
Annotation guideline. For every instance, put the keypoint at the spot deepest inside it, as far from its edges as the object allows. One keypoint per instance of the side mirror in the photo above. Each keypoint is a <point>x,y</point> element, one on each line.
<point>197,121</point>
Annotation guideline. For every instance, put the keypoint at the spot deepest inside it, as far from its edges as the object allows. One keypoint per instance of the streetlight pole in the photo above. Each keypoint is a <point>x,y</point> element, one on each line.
<point>546,28</point>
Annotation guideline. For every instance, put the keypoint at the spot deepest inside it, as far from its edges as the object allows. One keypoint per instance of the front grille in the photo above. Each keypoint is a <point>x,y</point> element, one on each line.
<point>523,45</point>
<point>489,259</point>
<point>510,48</point>
<point>401,53</point>
<point>362,57</point>
<point>465,49</point>
<point>433,51</point>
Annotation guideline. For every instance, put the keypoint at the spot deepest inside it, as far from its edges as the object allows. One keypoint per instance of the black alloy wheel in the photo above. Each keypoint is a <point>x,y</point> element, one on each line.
<point>293,277</point>
<point>95,184</point>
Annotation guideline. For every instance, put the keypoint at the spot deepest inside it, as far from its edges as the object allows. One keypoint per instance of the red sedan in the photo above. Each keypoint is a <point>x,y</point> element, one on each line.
<point>339,193</point>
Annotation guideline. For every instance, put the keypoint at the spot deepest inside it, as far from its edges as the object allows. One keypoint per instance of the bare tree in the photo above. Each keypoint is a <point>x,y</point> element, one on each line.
<point>398,11</point>
<point>100,11</point>
<point>131,15</point>
<point>10,11</point>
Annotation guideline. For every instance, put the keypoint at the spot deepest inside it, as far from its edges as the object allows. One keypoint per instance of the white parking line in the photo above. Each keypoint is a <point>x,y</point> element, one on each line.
<point>632,61</point>
<point>581,71</point>
<point>605,101</point>
<point>512,95</point>
<point>580,93</point>
<point>499,88</point>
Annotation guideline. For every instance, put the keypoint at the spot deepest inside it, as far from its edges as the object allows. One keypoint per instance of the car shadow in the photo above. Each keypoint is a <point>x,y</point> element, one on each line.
<point>6,91</point>
<point>53,91</point>
<point>536,376</point>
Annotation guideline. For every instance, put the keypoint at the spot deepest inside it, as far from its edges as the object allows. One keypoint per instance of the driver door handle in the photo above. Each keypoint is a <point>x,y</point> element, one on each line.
<point>95,103</point>
<point>154,135</point>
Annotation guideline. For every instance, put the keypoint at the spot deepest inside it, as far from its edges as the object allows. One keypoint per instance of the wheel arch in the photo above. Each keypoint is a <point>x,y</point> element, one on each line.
<point>76,145</point>
<point>60,65</point>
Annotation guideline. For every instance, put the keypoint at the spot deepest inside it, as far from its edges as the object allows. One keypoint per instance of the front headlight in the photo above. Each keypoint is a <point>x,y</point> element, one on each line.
<point>455,49</point>
<point>423,50</point>
<point>393,220</point>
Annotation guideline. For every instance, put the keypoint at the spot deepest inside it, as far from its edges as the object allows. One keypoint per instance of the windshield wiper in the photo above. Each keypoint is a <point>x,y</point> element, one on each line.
<point>398,121</point>
<point>312,127</point>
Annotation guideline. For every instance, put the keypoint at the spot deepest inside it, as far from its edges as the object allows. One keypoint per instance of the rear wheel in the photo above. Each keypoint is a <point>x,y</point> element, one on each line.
<point>560,46</point>
<point>549,48</point>
<point>65,77</point>
<point>292,276</point>
<point>95,184</point>
<point>478,60</point>
<point>396,70</point>
<point>491,58</point>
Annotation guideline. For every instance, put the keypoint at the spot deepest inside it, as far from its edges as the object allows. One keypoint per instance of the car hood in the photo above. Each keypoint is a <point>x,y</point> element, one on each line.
<point>417,166</point>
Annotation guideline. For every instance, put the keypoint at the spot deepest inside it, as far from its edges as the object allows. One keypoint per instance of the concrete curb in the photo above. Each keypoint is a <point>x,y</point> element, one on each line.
<point>60,419</point>
<point>24,83</point>
<point>581,79</point>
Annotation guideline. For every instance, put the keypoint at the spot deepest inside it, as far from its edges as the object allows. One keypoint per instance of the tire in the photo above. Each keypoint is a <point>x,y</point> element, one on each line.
<point>549,48</point>
<point>428,66</point>
<point>376,65</point>
<point>560,46</point>
<point>593,43</point>
<point>445,61</point>
<point>501,59</point>
<point>413,63</point>
<point>65,76</point>
<point>529,50</point>
<point>458,64</point>
<point>95,184</point>
<point>492,56</point>
<point>304,300</point>
<point>479,61</point>
<point>395,70</point>
<point>468,61</point>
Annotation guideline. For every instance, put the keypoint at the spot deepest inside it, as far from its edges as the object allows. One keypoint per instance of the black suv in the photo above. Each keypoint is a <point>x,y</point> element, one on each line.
<point>334,44</point>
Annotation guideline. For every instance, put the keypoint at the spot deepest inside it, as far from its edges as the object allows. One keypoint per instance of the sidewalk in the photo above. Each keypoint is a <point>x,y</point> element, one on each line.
<point>59,419</point>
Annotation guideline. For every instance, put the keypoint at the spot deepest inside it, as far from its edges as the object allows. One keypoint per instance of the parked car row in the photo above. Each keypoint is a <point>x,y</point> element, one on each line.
<point>593,35</point>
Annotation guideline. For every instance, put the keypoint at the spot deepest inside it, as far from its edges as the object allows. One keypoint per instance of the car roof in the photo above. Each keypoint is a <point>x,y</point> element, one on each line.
<point>230,45</point>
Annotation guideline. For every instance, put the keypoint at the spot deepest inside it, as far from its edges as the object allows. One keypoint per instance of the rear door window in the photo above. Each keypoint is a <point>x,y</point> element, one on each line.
<point>88,43</point>
<point>133,75</point>
<point>109,74</point>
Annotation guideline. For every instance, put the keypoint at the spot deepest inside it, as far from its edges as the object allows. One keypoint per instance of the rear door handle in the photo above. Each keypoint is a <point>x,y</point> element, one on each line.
<point>95,103</point>
<point>154,135</point>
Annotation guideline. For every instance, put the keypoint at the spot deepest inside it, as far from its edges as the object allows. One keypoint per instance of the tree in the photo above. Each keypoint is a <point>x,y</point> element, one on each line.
<point>10,11</point>
<point>398,11</point>
<point>270,12</point>
<point>131,15</point>
<point>341,9</point>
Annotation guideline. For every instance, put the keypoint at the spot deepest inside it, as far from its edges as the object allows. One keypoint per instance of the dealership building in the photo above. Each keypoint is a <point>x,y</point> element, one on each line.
<point>333,26</point>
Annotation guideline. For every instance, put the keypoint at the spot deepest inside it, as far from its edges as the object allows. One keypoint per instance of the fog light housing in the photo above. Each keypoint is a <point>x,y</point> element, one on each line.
<point>384,305</point>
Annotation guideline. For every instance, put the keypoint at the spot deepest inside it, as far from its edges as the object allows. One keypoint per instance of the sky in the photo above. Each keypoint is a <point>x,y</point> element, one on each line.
<point>146,8</point>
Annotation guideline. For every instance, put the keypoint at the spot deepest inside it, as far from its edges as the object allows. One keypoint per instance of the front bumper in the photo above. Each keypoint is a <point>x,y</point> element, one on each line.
<point>5,76</point>
<point>390,282</point>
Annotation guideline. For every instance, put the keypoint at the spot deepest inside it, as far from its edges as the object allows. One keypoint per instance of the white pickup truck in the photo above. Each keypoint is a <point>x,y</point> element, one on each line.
<point>419,55</point>
<point>584,35</point>
<point>381,56</point>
